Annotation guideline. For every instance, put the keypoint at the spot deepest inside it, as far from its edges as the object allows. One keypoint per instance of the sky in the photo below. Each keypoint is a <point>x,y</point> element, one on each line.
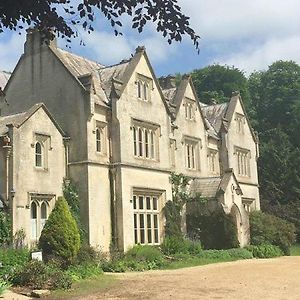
<point>249,34</point>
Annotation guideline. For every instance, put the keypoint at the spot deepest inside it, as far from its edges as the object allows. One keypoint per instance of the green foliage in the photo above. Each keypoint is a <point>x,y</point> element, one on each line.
<point>174,245</point>
<point>215,229</point>
<point>265,251</point>
<point>268,229</point>
<point>173,220</point>
<point>218,82</point>
<point>235,253</point>
<point>71,195</point>
<point>84,271</point>
<point>60,236</point>
<point>12,259</point>
<point>88,254</point>
<point>4,285</point>
<point>5,228</point>
<point>37,275</point>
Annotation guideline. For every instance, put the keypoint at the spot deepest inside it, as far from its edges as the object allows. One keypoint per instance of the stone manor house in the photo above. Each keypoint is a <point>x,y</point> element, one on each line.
<point>118,132</point>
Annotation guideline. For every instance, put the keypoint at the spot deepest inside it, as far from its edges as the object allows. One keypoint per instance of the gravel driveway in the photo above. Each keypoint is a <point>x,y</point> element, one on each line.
<point>277,278</point>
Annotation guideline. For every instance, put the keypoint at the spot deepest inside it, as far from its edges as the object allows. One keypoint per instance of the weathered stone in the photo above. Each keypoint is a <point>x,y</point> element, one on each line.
<point>40,293</point>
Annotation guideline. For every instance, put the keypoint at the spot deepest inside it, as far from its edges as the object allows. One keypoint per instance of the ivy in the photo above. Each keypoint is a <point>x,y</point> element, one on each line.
<point>5,229</point>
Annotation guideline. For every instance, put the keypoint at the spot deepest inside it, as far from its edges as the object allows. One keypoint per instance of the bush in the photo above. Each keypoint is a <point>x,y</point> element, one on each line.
<point>12,259</point>
<point>265,251</point>
<point>84,271</point>
<point>268,229</point>
<point>5,228</point>
<point>173,220</point>
<point>4,285</point>
<point>60,236</point>
<point>145,254</point>
<point>37,275</point>
<point>236,253</point>
<point>88,254</point>
<point>216,230</point>
<point>172,245</point>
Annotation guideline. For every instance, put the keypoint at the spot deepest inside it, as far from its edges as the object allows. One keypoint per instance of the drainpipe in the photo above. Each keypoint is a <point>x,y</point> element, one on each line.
<point>67,145</point>
<point>7,150</point>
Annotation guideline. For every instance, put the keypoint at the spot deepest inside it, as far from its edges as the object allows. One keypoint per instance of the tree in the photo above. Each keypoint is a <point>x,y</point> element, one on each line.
<point>218,82</point>
<point>60,235</point>
<point>62,17</point>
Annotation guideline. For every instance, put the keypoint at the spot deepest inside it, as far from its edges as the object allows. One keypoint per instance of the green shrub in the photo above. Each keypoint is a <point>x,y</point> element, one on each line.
<point>235,253</point>
<point>4,285</point>
<point>37,275</point>
<point>149,254</point>
<point>84,271</point>
<point>88,254</point>
<point>12,259</point>
<point>60,236</point>
<point>71,195</point>
<point>5,228</point>
<point>268,229</point>
<point>265,251</point>
<point>173,219</point>
<point>115,266</point>
<point>172,245</point>
<point>216,230</point>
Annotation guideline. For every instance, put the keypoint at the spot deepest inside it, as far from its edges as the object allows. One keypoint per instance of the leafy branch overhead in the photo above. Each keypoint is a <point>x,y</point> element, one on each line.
<point>64,17</point>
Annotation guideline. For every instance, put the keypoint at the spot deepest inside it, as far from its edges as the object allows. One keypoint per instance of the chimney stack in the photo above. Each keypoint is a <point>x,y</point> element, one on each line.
<point>36,40</point>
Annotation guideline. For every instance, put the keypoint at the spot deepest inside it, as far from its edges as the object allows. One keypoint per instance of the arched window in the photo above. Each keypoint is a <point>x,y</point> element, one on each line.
<point>43,215</point>
<point>98,140</point>
<point>38,155</point>
<point>33,217</point>
<point>139,89</point>
<point>146,90</point>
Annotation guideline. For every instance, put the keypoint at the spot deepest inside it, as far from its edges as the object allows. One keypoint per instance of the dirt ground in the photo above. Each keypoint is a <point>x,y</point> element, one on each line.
<point>251,279</point>
<point>274,279</point>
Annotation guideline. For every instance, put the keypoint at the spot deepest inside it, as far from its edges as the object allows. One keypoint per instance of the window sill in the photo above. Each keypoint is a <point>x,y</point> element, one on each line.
<point>41,169</point>
<point>146,159</point>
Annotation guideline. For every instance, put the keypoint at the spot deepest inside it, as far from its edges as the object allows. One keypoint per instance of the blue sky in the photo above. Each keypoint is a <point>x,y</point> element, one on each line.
<point>247,34</point>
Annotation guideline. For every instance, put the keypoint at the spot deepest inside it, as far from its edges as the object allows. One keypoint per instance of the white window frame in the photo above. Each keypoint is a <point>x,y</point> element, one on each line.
<point>144,85</point>
<point>99,139</point>
<point>146,218</point>
<point>39,156</point>
<point>190,109</point>
<point>38,223</point>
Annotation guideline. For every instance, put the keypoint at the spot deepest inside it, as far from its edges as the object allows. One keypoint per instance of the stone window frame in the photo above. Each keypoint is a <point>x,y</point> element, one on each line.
<point>101,127</point>
<point>144,86</point>
<point>243,158</point>
<point>39,200</point>
<point>192,147</point>
<point>190,109</point>
<point>213,160</point>
<point>145,137</point>
<point>240,123</point>
<point>148,213</point>
<point>44,140</point>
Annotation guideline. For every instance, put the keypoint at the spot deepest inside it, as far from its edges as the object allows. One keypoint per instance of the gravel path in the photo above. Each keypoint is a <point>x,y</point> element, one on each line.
<point>277,278</point>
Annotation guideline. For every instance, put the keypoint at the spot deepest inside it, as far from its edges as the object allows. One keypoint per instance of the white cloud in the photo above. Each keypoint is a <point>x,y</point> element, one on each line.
<point>10,51</point>
<point>236,19</point>
<point>258,57</point>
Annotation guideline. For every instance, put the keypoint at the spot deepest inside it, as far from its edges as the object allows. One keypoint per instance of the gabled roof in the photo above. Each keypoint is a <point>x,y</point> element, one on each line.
<point>17,120</point>
<point>215,114</point>
<point>210,187</point>
<point>4,77</point>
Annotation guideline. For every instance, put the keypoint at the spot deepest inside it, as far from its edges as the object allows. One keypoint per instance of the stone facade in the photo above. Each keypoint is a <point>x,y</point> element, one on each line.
<point>128,131</point>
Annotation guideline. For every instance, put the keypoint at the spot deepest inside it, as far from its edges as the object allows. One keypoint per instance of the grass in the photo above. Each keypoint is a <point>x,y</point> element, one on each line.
<point>295,250</point>
<point>194,262</point>
<point>85,287</point>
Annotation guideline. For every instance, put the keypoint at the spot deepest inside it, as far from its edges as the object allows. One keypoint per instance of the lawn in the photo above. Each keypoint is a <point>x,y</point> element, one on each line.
<point>295,250</point>
<point>85,287</point>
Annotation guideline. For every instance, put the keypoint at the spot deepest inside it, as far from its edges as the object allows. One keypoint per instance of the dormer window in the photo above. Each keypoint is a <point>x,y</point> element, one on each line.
<point>38,155</point>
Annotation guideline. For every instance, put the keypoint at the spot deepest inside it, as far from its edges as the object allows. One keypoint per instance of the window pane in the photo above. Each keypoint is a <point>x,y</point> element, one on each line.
<point>98,140</point>
<point>134,202</point>
<point>147,143</point>
<point>38,155</point>
<point>135,221</point>
<point>155,219</point>
<point>140,142</point>
<point>154,203</point>
<point>148,202</point>
<point>139,86</point>
<point>134,141</point>
<point>156,236</point>
<point>33,210</point>
<point>141,202</point>
<point>43,211</point>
